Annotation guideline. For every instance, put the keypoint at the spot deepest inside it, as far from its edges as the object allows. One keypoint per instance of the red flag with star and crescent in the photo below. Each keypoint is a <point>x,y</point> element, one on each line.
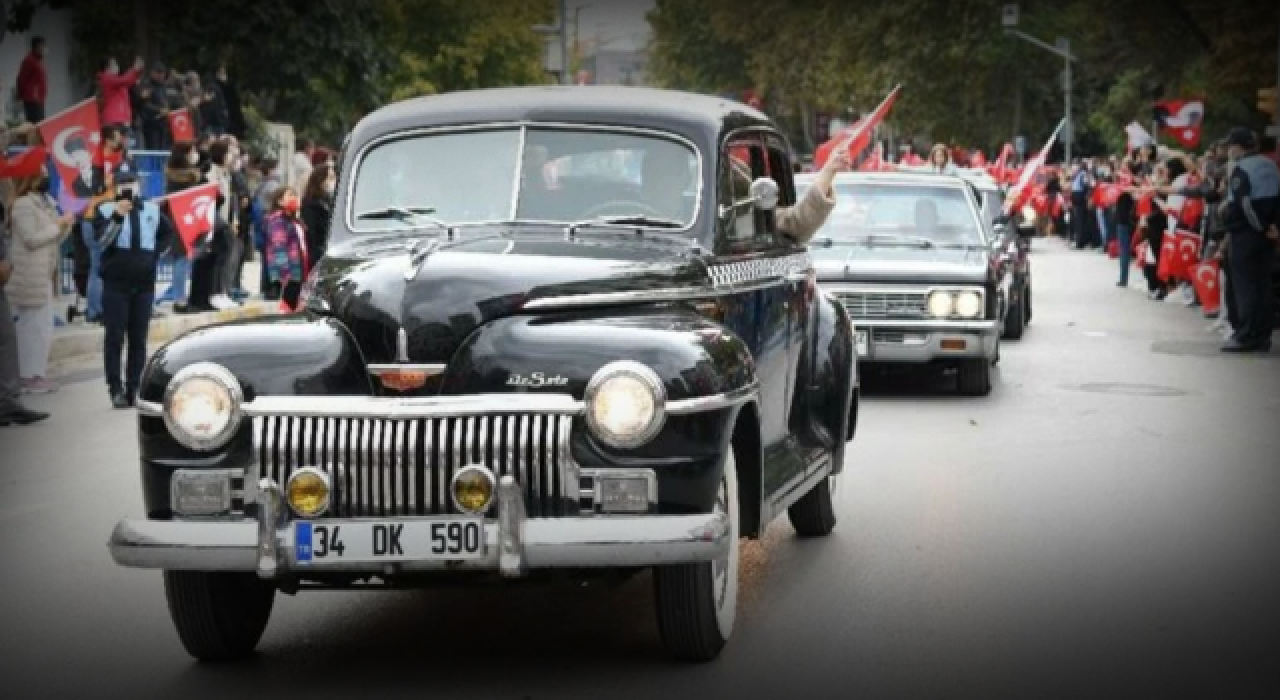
<point>857,138</point>
<point>193,211</point>
<point>74,139</point>
<point>1181,119</point>
<point>1207,281</point>
<point>181,127</point>
<point>1186,254</point>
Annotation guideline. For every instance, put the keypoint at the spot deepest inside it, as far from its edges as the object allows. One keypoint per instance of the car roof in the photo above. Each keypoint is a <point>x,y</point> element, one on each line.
<point>617,105</point>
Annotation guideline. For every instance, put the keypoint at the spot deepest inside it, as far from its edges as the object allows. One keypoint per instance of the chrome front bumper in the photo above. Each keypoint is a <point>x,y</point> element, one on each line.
<point>922,341</point>
<point>513,542</point>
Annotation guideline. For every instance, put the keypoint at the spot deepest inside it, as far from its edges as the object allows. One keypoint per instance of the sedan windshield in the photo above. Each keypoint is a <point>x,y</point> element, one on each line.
<point>556,175</point>
<point>887,212</point>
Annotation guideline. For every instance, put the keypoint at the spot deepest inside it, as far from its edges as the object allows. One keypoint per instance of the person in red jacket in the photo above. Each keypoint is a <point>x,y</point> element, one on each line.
<point>33,82</point>
<point>114,87</point>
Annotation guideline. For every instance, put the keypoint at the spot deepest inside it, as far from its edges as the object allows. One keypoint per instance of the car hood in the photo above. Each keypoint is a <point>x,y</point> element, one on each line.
<point>900,264</point>
<point>468,283</point>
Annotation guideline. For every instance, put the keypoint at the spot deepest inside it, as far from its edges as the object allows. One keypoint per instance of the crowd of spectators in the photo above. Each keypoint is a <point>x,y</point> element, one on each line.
<point>276,212</point>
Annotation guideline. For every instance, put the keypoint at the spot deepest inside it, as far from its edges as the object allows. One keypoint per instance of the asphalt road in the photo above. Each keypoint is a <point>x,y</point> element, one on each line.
<point>1103,524</point>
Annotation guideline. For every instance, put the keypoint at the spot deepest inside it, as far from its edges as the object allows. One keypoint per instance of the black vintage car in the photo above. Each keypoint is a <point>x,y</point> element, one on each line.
<point>552,334</point>
<point>929,273</point>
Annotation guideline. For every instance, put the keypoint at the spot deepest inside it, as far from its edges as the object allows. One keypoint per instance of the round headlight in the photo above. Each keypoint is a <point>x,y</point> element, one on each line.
<point>626,404</point>
<point>308,492</point>
<point>202,406</point>
<point>473,489</point>
<point>941,304</point>
<point>969,304</point>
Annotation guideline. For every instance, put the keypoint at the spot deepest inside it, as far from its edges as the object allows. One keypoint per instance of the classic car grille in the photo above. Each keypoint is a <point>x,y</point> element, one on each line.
<point>863,305</point>
<point>398,467</point>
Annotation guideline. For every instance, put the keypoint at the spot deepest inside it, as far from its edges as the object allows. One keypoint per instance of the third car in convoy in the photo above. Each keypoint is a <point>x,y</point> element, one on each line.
<point>928,271</point>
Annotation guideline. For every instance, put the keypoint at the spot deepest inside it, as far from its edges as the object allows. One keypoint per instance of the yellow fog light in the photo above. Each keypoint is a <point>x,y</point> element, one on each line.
<point>473,489</point>
<point>308,492</point>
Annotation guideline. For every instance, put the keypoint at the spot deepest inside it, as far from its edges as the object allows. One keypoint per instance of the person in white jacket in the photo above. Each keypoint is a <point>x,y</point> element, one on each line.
<point>38,230</point>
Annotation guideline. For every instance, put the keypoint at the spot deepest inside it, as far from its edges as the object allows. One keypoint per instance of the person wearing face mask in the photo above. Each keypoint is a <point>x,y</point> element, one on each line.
<point>317,208</point>
<point>37,231</point>
<point>181,172</point>
<point>133,233</point>
<point>286,256</point>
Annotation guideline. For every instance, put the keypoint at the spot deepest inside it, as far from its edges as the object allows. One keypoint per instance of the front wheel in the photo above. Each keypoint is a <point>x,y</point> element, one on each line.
<point>697,603</point>
<point>974,377</point>
<point>219,616</point>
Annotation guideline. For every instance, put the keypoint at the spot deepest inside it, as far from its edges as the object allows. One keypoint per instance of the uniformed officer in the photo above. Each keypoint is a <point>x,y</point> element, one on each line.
<point>1251,219</point>
<point>133,234</point>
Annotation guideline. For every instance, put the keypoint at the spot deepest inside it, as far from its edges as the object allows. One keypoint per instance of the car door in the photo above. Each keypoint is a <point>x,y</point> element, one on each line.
<point>751,257</point>
<point>1002,250</point>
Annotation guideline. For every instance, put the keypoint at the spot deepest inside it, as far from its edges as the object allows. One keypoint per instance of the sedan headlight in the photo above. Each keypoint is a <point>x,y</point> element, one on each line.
<point>202,406</point>
<point>626,404</point>
<point>941,304</point>
<point>968,305</point>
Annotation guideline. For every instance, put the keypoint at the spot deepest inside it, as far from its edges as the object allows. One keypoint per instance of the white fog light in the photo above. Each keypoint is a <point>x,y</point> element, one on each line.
<point>200,491</point>
<point>202,406</point>
<point>625,404</point>
<point>941,304</point>
<point>968,304</point>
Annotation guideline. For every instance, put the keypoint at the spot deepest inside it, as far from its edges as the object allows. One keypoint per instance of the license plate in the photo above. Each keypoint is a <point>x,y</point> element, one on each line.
<point>862,342</point>
<point>386,541</point>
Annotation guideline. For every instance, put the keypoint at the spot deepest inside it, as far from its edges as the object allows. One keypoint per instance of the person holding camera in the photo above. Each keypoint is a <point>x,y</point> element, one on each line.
<point>133,235</point>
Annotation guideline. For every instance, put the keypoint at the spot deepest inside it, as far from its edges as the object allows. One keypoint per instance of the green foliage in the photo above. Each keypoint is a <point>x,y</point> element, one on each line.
<point>965,79</point>
<point>323,64</point>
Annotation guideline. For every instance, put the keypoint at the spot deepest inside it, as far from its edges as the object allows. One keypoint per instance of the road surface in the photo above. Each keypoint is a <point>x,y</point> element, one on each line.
<point>1104,523</point>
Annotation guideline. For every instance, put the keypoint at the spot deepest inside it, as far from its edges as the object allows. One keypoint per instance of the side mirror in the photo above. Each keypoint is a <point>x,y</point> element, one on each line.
<point>764,193</point>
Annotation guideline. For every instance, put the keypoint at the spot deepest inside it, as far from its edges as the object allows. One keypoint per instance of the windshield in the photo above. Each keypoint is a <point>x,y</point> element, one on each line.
<point>942,215</point>
<point>563,175</point>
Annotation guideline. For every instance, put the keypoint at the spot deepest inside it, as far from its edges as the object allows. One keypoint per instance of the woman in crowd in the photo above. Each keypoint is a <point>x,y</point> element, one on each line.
<point>286,257</point>
<point>1124,219</point>
<point>1156,225</point>
<point>317,207</point>
<point>181,172</point>
<point>940,160</point>
<point>37,233</point>
<point>264,195</point>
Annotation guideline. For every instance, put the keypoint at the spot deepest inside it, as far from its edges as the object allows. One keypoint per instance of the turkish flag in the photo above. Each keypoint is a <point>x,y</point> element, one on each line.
<point>857,138</point>
<point>1181,119</point>
<point>1143,207</point>
<point>1140,253</point>
<point>1167,261</point>
<point>193,212</point>
<point>181,127</point>
<point>25,164</point>
<point>1187,254</point>
<point>1208,284</point>
<point>998,170</point>
<point>74,139</point>
<point>1020,190</point>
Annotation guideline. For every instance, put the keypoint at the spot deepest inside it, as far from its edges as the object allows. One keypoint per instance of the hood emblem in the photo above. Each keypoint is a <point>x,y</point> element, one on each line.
<point>418,253</point>
<point>402,346</point>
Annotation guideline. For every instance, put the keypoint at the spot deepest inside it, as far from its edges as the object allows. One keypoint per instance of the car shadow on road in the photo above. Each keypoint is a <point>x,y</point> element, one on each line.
<point>915,383</point>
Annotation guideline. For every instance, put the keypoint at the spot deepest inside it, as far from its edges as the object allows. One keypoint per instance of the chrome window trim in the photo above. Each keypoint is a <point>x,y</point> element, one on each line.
<point>522,125</point>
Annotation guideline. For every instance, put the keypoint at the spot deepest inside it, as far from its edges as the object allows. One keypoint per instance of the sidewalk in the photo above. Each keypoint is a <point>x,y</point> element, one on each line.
<point>78,345</point>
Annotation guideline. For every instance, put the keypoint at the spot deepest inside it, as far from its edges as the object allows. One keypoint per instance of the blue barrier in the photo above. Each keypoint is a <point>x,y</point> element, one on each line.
<point>150,165</point>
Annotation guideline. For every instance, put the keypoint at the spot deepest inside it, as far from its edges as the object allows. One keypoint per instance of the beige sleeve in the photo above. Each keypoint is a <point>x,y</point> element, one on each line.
<point>801,221</point>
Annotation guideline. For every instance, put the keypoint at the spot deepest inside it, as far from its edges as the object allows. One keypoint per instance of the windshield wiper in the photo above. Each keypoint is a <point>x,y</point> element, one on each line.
<point>826,242</point>
<point>405,214</point>
<point>627,220</point>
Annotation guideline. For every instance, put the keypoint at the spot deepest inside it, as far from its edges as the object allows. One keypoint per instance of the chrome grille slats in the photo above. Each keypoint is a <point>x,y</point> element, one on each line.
<point>404,466</point>
<point>884,304</point>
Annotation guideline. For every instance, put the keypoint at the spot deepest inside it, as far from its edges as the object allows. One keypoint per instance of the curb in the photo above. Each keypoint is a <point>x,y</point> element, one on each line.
<point>71,346</point>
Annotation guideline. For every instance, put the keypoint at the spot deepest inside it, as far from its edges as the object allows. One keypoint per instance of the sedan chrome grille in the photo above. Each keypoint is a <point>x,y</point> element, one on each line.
<point>403,467</point>
<point>869,305</point>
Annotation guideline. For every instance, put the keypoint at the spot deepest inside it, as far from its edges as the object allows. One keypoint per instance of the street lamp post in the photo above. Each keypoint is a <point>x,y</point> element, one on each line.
<point>1063,49</point>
